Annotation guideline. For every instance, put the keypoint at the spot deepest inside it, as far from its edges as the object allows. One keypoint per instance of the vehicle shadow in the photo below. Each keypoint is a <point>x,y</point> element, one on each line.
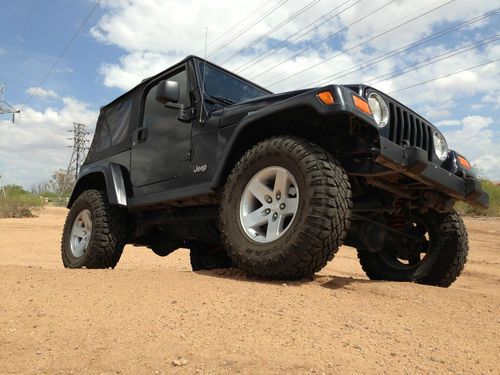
<point>339,282</point>
<point>325,281</point>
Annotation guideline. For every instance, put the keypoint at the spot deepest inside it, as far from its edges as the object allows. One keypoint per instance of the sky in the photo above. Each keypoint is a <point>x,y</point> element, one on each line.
<point>280,44</point>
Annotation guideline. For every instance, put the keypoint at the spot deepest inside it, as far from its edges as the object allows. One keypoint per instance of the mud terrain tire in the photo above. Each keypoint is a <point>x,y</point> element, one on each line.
<point>322,216</point>
<point>447,254</point>
<point>107,236</point>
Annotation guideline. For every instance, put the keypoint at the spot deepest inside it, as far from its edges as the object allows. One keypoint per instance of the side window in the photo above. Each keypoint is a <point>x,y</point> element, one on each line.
<point>112,126</point>
<point>119,119</point>
<point>154,110</point>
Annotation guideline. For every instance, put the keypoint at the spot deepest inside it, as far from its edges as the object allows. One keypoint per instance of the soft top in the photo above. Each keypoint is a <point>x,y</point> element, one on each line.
<point>146,81</point>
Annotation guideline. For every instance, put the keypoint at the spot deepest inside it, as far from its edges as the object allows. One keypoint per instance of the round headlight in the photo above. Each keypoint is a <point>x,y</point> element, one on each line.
<point>379,109</point>
<point>440,146</point>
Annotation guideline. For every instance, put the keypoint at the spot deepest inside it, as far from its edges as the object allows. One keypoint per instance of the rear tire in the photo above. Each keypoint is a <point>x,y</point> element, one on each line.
<point>317,189</point>
<point>208,257</point>
<point>443,263</point>
<point>94,233</point>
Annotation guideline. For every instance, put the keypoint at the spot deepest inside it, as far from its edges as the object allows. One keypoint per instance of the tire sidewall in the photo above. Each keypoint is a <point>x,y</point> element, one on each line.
<point>69,259</point>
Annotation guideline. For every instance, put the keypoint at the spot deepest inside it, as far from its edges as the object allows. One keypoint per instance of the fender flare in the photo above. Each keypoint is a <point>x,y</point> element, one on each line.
<point>113,178</point>
<point>344,105</point>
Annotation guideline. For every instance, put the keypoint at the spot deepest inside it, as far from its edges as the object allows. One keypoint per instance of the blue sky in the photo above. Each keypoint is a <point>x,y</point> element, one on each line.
<point>125,41</point>
<point>34,33</point>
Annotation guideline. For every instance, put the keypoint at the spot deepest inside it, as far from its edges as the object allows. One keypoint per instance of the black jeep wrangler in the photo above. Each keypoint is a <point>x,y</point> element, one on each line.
<point>199,157</point>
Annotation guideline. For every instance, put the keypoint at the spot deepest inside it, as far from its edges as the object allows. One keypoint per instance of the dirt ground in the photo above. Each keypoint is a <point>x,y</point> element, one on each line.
<point>151,312</point>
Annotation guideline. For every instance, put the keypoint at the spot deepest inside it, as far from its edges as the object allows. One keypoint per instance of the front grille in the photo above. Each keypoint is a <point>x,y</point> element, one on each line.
<point>406,128</point>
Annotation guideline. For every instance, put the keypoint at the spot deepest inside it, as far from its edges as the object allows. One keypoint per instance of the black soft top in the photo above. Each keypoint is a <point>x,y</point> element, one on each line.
<point>146,81</point>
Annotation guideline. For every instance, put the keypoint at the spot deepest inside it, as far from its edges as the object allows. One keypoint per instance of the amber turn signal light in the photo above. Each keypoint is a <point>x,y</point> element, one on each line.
<point>463,162</point>
<point>326,97</point>
<point>361,105</point>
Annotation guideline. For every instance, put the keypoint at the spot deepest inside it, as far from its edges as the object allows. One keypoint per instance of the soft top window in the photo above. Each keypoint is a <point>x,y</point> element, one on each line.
<point>112,126</point>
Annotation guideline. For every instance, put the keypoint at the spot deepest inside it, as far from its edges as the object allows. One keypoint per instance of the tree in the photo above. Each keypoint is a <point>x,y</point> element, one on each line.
<point>61,182</point>
<point>41,188</point>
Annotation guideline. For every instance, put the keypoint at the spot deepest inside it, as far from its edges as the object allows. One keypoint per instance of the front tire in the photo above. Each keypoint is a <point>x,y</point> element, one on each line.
<point>285,209</point>
<point>94,233</point>
<point>443,258</point>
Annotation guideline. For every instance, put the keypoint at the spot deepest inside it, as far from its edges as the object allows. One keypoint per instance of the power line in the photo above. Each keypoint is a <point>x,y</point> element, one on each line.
<point>277,27</point>
<point>326,38</point>
<point>432,60</point>
<point>445,76</point>
<point>62,53</point>
<point>227,42</point>
<point>402,49</point>
<point>362,43</point>
<point>236,25</point>
<point>327,17</point>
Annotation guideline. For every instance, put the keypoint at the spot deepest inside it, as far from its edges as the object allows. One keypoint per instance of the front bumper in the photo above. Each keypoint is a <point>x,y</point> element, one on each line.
<point>413,162</point>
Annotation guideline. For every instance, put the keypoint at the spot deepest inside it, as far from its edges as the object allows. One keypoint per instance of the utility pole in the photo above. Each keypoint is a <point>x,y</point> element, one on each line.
<point>6,108</point>
<point>79,148</point>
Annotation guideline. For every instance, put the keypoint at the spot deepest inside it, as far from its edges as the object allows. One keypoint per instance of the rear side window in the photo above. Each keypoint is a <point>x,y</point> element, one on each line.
<point>154,110</point>
<point>118,118</point>
<point>112,126</point>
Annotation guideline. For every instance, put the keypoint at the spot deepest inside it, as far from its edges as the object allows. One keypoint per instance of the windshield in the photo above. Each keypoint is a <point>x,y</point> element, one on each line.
<point>226,87</point>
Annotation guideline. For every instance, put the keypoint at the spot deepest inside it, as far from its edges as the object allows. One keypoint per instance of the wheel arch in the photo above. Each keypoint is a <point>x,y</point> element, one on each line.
<point>329,132</point>
<point>108,177</point>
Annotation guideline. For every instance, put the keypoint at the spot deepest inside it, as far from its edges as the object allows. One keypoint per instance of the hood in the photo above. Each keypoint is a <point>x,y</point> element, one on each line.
<point>233,114</point>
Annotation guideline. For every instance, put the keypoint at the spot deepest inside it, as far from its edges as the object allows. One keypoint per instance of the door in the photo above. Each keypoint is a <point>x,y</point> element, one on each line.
<point>161,143</point>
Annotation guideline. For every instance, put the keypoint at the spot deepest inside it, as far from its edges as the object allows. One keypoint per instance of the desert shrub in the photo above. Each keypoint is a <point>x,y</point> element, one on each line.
<point>17,202</point>
<point>494,209</point>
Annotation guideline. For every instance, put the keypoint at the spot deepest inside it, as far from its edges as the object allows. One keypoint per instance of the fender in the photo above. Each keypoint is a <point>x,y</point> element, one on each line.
<point>93,176</point>
<point>343,105</point>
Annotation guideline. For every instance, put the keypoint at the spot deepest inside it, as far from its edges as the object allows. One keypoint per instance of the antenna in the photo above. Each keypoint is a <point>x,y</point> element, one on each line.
<point>6,108</point>
<point>203,78</point>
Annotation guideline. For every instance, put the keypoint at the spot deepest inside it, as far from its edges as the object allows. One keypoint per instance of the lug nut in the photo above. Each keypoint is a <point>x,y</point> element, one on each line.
<point>282,206</point>
<point>269,200</point>
<point>275,216</point>
<point>278,196</point>
<point>267,211</point>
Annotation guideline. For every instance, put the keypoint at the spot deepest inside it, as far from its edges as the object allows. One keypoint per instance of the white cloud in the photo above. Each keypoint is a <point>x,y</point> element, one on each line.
<point>33,147</point>
<point>164,38</point>
<point>475,139</point>
<point>134,67</point>
<point>2,50</point>
<point>40,92</point>
<point>492,99</point>
<point>449,123</point>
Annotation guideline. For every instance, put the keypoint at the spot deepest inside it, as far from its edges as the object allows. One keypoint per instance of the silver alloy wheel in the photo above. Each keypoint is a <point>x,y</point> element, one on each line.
<point>269,204</point>
<point>81,233</point>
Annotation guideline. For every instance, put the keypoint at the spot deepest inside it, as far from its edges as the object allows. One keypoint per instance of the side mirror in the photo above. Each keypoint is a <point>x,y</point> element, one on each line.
<point>168,92</point>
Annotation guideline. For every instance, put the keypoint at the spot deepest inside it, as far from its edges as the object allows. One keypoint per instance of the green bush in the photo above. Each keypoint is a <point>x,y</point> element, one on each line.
<point>494,209</point>
<point>17,202</point>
